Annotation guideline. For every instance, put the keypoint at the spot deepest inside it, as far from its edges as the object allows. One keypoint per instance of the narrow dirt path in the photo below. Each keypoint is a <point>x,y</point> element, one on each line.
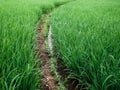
<point>48,80</point>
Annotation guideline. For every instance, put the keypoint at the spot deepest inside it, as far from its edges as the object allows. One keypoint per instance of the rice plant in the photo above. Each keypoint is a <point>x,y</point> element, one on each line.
<point>18,25</point>
<point>86,36</point>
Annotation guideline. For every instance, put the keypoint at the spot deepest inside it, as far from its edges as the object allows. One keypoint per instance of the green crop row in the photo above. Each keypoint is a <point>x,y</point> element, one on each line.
<point>86,36</point>
<point>18,25</point>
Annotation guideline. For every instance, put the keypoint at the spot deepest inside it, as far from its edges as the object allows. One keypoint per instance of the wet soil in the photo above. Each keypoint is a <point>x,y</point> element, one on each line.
<point>48,81</point>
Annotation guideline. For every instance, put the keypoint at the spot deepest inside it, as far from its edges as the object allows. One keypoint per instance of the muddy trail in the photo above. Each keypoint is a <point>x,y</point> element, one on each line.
<point>48,82</point>
<point>48,79</point>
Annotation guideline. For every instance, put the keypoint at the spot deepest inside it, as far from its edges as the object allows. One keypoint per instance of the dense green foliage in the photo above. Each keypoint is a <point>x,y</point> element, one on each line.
<point>18,21</point>
<point>87,37</point>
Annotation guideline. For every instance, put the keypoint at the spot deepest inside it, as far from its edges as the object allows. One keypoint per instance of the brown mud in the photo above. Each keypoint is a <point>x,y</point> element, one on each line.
<point>48,82</point>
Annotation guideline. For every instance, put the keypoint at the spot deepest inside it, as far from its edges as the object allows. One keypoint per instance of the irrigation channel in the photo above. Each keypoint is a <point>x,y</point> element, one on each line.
<point>48,78</point>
